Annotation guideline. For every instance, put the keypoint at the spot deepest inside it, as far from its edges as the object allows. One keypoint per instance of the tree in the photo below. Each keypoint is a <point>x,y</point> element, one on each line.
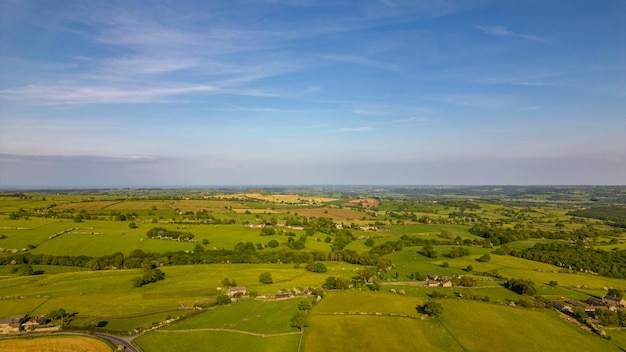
<point>228,283</point>
<point>273,244</point>
<point>319,268</point>
<point>429,251</point>
<point>613,292</point>
<point>299,321</point>
<point>265,278</point>
<point>553,283</point>
<point>304,305</point>
<point>526,301</point>
<point>24,270</point>
<point>222,299</point>
<point>485,258</point>
<point>469,268</point>
<point>432,308</point>
<point>57,314</point>
<point>521,286</point>
<point>330,283</point>
<point>459,251</point>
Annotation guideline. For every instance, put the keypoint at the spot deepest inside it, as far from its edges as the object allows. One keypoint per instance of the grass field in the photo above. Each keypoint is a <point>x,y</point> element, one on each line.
<point>239,326</point>
<point>481,327</point>
<point>110,293</point>
<point>372,333</point>
<point>368,302</point>
<point>55,344</point>
<point>464,326</point>
<point>224,341</point>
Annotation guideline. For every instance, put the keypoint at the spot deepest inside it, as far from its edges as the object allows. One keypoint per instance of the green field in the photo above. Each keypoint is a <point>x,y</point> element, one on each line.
<point>464,326</point>
<point>514,329</point>
<point>100,223</point>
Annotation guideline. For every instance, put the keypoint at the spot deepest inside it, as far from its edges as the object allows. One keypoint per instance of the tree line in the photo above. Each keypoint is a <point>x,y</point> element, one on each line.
<point>579,257</point>
<point>137,258</point>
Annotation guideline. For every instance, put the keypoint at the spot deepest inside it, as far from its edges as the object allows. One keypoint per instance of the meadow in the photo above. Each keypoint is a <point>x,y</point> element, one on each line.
<point>370,315</point>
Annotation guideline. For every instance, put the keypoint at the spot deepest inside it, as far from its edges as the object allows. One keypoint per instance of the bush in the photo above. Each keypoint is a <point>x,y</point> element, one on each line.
<point>431,308</point>
<point>265,278</point>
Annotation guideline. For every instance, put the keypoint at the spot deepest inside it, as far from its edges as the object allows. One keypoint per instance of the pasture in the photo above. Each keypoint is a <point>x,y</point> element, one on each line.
<point>480,327</point>
<point>215,340</point>
<point>262,324</point>
<point>109,293</point>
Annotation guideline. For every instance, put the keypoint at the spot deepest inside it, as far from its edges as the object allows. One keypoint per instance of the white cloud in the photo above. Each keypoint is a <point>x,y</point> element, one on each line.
<point>361,60</point>
<point>500,31</point>
<point>83,94</point>
<point>414,120</point>
<point>356,129</point>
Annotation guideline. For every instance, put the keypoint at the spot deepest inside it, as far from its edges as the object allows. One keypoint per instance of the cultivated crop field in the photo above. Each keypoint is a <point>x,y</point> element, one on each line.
<point>54,344</point>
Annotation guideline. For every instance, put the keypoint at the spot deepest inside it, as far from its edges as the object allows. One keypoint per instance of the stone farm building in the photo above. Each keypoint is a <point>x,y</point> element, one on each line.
<point>237,289</point>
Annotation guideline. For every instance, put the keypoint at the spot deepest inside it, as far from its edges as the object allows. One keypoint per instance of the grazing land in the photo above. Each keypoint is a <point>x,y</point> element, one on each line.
<point>314,269</point>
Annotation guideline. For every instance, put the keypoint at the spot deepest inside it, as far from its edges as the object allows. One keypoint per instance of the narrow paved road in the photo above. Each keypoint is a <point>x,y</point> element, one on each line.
<point>118,341</point>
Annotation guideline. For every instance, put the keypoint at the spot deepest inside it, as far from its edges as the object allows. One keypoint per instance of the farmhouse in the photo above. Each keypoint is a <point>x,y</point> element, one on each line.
<point>237,289</point>
<point>284,295</point>
<point>13,324</point>
<point>614,301</point>
<point>445,282</point>
<point>596,303</point>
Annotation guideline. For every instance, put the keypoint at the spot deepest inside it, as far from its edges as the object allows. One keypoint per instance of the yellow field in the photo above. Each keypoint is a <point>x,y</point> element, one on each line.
<point>278,198</point>
<point>216,206</point>
<point>55,344</point>
<point>254,211</point>
<point>335,214</point>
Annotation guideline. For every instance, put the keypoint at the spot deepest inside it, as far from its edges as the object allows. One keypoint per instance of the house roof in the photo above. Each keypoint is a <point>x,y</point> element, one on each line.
<point>237,289</point>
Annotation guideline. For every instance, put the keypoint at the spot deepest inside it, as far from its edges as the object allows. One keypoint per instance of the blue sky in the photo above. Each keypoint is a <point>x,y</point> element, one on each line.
<point>152,93</point>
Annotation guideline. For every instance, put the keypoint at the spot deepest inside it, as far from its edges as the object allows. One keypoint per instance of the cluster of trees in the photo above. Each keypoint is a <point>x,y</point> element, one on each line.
<point>205,217</point>
<point>521,286</point>
<point>247,254</point>
<point>578,257</point>
<point>528,301</point>
<point>613,215</point>
<point>484,258</point>
<point>298,244</point>
<point>229,283</point>
<point>163,233</point>
<point>608,317</point>
<point>150,274</point>
<point>336,283</point>
<point>432,308</point>
<point>459,251</point>
<point>23,270</point>
<point>317,267</point>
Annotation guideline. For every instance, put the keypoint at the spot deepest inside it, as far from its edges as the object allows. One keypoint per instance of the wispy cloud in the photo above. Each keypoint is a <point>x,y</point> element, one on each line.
<point>232,107</point>
<point>356,129</point>
<point>501,31</point>
<point>361,60</point>
<point>481,101</point>
<point>412,121</point>
<point>77,94</point>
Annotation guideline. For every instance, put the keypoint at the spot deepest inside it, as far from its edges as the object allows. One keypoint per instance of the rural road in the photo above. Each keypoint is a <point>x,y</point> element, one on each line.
<point>118,341</point>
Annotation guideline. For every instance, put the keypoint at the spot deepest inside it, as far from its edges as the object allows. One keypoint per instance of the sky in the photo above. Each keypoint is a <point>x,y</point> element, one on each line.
<point>304,92</point>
